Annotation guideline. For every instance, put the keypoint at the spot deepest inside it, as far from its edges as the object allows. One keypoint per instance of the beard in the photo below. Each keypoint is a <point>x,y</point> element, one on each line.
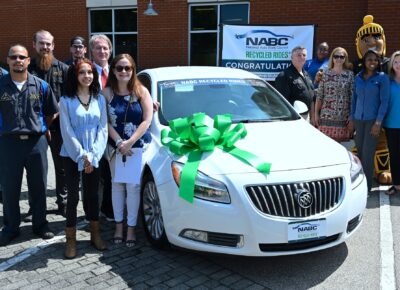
<point>19,70</point>
<point>44,61</point>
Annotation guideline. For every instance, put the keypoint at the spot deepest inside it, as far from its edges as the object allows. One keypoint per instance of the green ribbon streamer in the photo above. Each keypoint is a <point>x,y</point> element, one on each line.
<point>199,133</point>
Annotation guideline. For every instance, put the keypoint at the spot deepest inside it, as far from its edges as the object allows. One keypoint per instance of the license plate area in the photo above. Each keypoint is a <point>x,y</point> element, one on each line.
<point>306,230</point>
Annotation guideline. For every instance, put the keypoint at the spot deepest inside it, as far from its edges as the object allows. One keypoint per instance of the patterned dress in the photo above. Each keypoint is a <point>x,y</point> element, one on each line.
<point>334,92</point>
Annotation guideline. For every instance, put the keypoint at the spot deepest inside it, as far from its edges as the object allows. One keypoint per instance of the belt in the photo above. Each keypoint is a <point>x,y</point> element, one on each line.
<point>24,136</point>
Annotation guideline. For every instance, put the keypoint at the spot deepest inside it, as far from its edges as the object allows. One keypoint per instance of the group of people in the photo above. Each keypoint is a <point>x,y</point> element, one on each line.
<point>82,111</point>
<point>344,101</point>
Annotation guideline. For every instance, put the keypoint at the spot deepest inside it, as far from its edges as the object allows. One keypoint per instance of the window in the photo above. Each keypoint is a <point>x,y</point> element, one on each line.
<point>120,25</point>
<point>205,20</point>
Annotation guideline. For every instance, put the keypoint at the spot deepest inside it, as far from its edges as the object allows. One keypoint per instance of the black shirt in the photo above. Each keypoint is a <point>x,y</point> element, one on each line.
<point>24,112</point>
<point>56,76</point>
<point>294,87</point>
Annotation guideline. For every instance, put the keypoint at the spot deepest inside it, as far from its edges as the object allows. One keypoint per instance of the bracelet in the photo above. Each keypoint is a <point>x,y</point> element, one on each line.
<point>119,141</point>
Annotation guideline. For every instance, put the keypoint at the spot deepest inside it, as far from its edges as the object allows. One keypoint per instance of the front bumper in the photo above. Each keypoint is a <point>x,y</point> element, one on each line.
<point>259,234</point>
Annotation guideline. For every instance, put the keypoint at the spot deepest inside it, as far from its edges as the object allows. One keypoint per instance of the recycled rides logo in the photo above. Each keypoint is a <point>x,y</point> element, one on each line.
<point>271,41</point>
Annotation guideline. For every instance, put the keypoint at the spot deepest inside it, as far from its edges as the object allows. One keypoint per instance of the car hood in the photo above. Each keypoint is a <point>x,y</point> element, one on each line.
<point>287,145</point>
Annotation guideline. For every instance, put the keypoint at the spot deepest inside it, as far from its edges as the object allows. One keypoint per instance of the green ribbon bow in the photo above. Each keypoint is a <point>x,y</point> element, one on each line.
<point>199,133</point>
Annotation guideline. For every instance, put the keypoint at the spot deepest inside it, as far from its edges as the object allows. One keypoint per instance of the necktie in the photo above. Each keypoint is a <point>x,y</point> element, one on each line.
<point>103,78</point>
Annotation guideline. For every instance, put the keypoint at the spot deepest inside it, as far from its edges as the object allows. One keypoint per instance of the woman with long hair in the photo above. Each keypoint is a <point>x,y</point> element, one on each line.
<point>130,113</point>
<point>332,107</point>
<point>84,129</point>
<point>392,122</point>
<point>368,108</point>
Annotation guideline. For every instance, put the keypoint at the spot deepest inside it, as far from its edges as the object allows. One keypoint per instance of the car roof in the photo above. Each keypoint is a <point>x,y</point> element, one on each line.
<point>196,72</point>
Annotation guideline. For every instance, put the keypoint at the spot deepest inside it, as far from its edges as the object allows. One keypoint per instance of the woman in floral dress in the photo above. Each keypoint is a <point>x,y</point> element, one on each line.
<point>332,108</point>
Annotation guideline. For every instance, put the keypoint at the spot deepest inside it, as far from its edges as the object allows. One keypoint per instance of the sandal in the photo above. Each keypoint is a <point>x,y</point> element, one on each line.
<point>118,239</point>
<point>132,241</point>
<point>392,190</point>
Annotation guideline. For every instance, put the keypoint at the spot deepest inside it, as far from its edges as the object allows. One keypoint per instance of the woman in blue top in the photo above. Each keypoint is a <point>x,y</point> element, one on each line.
<point>83,122</point>
<point>392,122</point>
<point>368,108</point>
<point>130,114</point>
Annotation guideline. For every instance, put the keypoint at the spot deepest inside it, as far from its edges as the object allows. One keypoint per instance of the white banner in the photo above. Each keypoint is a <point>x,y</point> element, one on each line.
<point>264,50</point>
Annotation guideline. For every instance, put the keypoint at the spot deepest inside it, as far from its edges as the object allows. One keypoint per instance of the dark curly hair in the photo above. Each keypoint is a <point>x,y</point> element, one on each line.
<point>72,84</point>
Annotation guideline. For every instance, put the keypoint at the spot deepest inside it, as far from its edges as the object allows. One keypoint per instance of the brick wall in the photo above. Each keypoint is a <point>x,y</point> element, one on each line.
<point>163,39</point>
<point>20,19</point>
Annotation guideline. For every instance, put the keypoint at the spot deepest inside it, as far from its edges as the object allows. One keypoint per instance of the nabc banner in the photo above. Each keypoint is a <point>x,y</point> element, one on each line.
<point>264,50</point>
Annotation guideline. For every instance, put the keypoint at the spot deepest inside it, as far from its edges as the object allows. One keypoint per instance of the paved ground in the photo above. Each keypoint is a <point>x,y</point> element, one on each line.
<point>31,263</point>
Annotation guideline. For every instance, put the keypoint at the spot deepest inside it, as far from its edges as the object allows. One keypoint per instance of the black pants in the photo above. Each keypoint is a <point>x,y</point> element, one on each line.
<point>393,141</point>
<point>15,155</point>
<point>106,204</point>
<point>55,146</point>
<point>90,185</point>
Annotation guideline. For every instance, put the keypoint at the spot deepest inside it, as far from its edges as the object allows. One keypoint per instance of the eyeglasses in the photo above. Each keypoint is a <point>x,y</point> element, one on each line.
<point>120,68</point>
<point>20,57</point>
<point>78,46</point>
<point>323,49</point>
<point>339,56</point>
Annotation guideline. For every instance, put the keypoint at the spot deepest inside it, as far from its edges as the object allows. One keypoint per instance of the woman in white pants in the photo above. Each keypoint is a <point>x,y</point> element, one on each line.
<point>130,113</point>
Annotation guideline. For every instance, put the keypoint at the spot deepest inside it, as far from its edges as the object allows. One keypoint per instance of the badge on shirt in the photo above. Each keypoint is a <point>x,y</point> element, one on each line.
<point>57,73</point>
<point>34,97</point>
<point>5,98</point>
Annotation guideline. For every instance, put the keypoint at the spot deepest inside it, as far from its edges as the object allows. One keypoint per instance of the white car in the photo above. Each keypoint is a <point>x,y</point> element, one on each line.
<point>313,197</point>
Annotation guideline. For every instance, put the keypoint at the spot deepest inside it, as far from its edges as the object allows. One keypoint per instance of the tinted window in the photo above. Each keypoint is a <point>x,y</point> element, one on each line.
<point>202,49</point>
<point>101,21</point>
<point>204,17</point>
<point>125,20</point>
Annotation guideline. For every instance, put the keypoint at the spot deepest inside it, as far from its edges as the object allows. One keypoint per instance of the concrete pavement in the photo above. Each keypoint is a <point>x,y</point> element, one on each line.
<point>31,263</point>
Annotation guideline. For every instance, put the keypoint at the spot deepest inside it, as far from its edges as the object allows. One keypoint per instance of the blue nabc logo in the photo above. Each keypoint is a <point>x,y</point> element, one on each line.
<point>273,40</point>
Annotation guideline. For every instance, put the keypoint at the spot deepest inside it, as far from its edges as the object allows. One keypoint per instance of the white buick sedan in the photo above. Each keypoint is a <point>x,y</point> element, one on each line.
<point>312,198</point>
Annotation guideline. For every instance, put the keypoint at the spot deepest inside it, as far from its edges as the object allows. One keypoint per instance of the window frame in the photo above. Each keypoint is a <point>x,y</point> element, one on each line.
<point>218,30</point>
<point>113,32</point>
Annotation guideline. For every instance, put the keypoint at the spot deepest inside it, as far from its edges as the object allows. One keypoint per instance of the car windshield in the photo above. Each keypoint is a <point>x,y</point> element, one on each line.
<point>247,100</point>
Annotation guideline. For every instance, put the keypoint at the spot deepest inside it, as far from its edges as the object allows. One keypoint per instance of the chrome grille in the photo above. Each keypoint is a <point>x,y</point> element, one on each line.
<point>282,199</point>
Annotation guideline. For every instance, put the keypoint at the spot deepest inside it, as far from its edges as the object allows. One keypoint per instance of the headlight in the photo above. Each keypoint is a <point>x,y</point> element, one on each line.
<point>355,167</point>
<point>205,187</point>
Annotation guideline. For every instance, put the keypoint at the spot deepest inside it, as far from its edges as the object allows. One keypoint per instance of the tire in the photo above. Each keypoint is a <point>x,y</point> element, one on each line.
<point>153,222</point>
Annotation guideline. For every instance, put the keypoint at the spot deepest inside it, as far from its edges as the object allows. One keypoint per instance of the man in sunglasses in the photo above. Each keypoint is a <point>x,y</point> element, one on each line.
<point>320,62</point>
<point>77,49</point>
<point>27,108</point>
<point>54,72</point>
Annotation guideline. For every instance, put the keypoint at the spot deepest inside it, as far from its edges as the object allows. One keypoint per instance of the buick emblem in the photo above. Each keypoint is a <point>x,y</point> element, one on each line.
<point>304,198</point>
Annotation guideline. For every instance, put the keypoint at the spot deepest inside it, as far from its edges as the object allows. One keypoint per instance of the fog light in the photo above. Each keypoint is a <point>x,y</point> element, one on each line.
<point>196,235</point>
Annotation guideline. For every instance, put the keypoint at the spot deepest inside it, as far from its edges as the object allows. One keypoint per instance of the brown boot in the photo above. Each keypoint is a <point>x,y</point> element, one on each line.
<point>70,245</point>
<point>95,237</point>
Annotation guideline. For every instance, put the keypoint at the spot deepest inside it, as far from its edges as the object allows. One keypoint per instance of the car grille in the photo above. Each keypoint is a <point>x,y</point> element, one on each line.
<point>297,246</point>
<point>282,199</point>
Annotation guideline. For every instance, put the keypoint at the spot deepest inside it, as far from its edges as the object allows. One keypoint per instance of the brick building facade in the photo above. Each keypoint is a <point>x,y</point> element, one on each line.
<point>164,39</point>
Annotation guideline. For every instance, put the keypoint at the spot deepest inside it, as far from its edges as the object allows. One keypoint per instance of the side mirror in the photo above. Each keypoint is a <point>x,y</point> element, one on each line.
<point>300,108</point>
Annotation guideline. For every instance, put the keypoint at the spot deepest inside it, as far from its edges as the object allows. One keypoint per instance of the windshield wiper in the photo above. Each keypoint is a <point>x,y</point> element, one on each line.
<point>254,120</point>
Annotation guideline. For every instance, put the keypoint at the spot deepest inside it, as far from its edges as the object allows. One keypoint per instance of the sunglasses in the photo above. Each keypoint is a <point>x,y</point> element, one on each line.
<point>77,46</point>
<point>20,57</point>
<point>339,56</point>
<point>120,68</point>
